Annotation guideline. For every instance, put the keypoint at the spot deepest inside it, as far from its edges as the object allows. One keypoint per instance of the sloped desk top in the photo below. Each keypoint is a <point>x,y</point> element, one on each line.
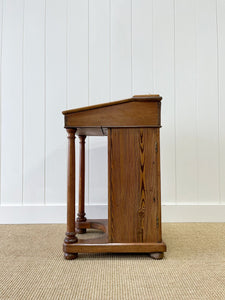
<point>138,111</point>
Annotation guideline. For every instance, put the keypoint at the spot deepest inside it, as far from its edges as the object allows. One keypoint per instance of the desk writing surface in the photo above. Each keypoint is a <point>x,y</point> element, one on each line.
<point>138,111</point>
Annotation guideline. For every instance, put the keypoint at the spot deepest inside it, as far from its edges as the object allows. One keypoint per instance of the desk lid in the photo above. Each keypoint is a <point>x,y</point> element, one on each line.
<point>135,98</point>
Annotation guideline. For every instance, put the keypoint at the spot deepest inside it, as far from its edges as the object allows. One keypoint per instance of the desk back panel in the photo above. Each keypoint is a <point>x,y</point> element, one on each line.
<point>134,185</point>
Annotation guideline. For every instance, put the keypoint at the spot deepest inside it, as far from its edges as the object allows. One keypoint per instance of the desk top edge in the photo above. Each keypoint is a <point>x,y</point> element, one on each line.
<point>136,98</point>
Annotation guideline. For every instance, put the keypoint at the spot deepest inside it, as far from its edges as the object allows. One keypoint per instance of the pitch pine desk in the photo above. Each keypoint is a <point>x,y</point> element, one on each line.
<point>134,200</point>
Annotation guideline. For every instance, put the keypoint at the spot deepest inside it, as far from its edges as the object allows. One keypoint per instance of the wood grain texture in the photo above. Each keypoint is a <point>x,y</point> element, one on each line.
<point>134,200</point>
<point>135,98</point>
<point>96,246</point>
<point>99,224</point>
<point>134,197</point>
<point>135,113</point>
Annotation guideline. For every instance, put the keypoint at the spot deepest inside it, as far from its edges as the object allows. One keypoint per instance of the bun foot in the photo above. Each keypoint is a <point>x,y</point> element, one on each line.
<point>156,255</point>
<point>81,230</point>
<point>70,256</point>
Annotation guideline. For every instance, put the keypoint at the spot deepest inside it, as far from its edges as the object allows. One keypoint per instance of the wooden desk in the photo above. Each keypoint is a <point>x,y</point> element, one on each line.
<point>134,200</point>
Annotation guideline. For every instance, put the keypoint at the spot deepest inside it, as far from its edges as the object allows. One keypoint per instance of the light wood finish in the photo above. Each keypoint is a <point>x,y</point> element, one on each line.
<point>134,199</point>
<point>70,234</point>
<point>81,213</point>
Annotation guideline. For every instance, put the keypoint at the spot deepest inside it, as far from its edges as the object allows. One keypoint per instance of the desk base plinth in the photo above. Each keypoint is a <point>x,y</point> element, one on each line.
<point>101,245</point>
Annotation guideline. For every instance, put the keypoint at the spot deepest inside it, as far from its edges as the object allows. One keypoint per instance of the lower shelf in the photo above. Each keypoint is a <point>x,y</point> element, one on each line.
<point>101,245</point>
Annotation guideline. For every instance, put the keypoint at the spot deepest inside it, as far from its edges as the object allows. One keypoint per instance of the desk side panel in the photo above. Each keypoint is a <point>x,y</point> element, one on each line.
<point>134,185</point>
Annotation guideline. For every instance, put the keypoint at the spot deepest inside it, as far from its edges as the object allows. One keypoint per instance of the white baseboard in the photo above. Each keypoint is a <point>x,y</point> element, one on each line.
<point>193,213</point>
<point>57,213</point>
<point>45,214</point>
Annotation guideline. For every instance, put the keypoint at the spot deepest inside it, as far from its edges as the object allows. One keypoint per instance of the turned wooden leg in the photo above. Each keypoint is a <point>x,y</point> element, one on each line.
<point>156,255</point>
<point>81,213</point>
<point>70,234</point>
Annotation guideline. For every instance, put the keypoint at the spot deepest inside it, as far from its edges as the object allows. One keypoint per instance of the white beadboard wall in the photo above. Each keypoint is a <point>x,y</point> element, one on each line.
<point>61,54</point>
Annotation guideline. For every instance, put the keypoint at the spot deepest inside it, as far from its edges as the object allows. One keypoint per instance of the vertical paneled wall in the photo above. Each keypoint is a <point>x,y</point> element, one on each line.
<point>61,54</point>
